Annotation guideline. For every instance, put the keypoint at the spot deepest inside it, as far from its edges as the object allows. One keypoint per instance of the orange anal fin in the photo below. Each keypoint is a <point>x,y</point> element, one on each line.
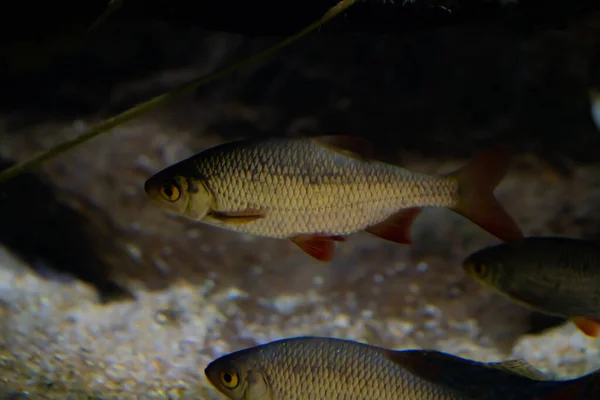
<point>477,181</point>
<point>588,326</point>
<point>397,227</point>
<point>352,146</point>
<point>320,247</point>
<point>237,217</point>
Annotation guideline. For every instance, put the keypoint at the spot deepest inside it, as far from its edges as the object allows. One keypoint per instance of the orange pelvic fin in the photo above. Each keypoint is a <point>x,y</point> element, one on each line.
<point>320,247</point>
<point>477,181</point>
<point>590,327</point>
<point>351,146</point>
<point>397,227</point>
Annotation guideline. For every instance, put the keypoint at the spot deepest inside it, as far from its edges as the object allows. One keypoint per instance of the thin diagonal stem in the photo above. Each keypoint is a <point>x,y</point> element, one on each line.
<point>136,111</point>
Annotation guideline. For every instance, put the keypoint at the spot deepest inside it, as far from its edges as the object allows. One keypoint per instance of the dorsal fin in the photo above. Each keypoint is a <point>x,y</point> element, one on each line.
<point>520,367</point>
<point>350,146</point>
<point>430,365</point>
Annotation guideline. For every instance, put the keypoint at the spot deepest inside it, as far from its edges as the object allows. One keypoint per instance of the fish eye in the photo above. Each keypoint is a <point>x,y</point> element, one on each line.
<point>479,268</point>
<point>170,191</point>
<point>229,379</point>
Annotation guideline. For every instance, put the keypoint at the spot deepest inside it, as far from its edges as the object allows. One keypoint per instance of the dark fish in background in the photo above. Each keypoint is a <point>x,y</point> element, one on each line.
<point>554,275</point>
<point>316,191</point>
<point>317,368</point>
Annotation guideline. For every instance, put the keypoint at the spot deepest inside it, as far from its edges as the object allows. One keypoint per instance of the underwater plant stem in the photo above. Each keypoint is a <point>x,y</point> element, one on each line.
<point>112,6</point>
<point>146,106</point>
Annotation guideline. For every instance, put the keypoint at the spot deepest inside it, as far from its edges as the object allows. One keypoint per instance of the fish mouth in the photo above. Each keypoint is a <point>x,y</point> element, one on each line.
<point>467,265</point>
<point>210,374</point>
<point>152,194</point>
<point>147,186</point>
<point>151,186</point>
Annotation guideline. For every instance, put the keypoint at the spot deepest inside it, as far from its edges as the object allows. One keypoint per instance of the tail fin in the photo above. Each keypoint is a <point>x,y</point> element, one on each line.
<point>477,181</point>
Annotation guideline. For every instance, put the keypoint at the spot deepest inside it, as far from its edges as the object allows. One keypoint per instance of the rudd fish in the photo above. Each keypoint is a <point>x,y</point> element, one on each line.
<point>554,275</point>
<point>318,368</point>
<point>315,191</point>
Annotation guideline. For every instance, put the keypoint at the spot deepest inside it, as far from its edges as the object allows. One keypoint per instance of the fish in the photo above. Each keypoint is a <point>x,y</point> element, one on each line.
<point>507,380</point>
<point>316,191</point>
<point>595,107</point>
<point>311,367</point>
<point>554,275</point>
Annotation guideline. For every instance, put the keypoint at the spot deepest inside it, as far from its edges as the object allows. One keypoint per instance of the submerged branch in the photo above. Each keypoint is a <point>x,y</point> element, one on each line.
<point>143,108</point>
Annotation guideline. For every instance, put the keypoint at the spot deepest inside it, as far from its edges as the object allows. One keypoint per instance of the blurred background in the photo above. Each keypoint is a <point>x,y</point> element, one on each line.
<point>103,293</point>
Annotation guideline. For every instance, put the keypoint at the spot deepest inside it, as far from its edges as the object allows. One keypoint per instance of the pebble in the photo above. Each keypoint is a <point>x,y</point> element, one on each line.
<point>318,280</point>
<point>422,267</point>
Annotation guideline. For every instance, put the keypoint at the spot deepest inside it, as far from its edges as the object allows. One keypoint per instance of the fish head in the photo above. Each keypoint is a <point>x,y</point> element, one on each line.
<point>234,377</point>
<point>178,194</point>
<point>488,266</point>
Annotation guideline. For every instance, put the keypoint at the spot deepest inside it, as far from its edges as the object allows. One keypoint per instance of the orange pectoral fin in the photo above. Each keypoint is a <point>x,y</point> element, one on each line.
<point>588,326</point>
<point>237,217</point>
<point>397,227</point>
<point>320,247</point>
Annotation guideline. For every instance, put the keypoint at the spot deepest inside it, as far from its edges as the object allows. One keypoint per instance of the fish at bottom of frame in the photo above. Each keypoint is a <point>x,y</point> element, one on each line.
<point>335,369</point>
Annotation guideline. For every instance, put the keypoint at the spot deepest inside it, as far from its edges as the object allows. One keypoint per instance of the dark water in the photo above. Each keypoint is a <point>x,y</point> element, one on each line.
<point>89,242</point>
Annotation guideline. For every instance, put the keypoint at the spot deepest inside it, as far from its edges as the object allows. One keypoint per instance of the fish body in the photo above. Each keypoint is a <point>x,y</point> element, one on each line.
<point>507,380</point>
<point>554,275</point>
<point>311,368</point>
<point>316,191</point>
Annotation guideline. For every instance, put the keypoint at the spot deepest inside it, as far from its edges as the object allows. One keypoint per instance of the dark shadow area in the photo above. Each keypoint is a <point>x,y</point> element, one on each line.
<point>56,239</point>
<point>276,18</point>
<point>430,83</point>
<point>55,58</point>
<point>539,323</point>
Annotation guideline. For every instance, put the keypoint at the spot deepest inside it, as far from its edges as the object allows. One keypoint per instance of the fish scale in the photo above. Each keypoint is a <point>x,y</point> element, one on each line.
<point>307,188</point>
<point>298,371</point>
<point>303,370</point>
<point>320,368</point>
<point>316,191</point>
